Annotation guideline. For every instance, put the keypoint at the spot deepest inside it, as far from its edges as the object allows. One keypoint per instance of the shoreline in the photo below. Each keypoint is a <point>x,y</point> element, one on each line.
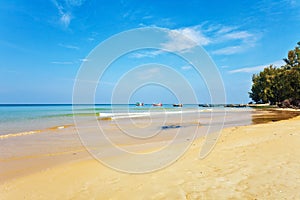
<point>76,151</point>
<point>111,117</point>
<point>242,165</point>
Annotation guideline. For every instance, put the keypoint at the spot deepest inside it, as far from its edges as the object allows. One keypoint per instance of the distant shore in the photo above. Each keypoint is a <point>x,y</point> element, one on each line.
<point>248,162</point>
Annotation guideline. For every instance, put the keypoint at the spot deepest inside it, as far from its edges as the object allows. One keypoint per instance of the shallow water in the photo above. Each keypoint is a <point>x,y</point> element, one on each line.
<point>36,137</point>
<point>26,118</point>
<point>260,116</point>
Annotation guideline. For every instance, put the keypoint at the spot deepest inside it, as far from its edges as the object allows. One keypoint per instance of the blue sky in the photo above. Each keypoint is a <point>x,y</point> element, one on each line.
<point>44,43</point>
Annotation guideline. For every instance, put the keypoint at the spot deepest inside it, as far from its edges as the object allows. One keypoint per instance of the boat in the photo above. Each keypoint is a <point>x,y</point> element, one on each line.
<point>139,104</point>
<point>203,105</point>
<point>157,104</point>
<point>177,105</point>
<point>236,105</point>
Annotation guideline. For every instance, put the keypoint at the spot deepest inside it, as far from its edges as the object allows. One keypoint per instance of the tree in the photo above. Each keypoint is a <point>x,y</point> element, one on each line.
<point>274,85</point>
<point>292,73</point>
<point>267,86</point>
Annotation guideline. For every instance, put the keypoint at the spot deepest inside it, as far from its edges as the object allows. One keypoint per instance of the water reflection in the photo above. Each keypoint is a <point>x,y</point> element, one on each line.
<point>260,116</point>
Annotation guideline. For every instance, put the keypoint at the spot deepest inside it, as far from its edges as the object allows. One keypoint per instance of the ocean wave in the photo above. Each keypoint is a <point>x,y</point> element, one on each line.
<point>116,116</point>
<point>26,133</point>
<point>19,134</point>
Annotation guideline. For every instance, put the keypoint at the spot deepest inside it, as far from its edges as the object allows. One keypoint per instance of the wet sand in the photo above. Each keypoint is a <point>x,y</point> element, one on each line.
<point>257,161</point>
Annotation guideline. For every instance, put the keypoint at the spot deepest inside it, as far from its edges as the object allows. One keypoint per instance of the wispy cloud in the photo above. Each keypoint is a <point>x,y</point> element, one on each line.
<point>238,35</point>
<point>149,73</point>
<point>75,2</point>
<point>219,36</point>
<point>92,36</point>
<point>224,66</point>
<point>222,40</point>
<point>258,68</point>
<point>242,40</point>
<point>84,60</point>
<point>181,39</point>
<point>64,14</point>
<point>186,67</point>
<point>62,62</point>
<point>66,19</point>
<point>65,8</point>
<point>146,53</point>
<point>225,29</point>
<point>14,46</point>
<point>68,46</point>
<point>275,10</point>
<point>229,50</point>
<point>148,17</point>
<point>185,38</point>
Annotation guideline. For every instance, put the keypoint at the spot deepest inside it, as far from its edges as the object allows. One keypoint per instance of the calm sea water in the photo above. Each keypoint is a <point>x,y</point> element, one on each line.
<point>24,118</point>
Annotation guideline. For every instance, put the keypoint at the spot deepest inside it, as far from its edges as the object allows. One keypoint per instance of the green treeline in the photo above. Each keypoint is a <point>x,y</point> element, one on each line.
<point>279,86</point>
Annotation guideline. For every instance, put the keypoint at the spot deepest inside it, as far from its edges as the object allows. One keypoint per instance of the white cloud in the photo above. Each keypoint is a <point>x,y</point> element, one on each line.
<point>248,69</point>
<point>229,50</point>
<point>92,36</point>
<point>62,63</point>
<point>146,53</point>
<point>258,68</point>
<point>64,8</point>
<point>222,37</point>
<point>238,35</point>
<point>66,19</point>
<point>84,60</point>
<point>225,29</point>
<point>224,40</point>
<point>14,46</point>
<point>228,40</point>
<point>181,39</point>
<point>186,67</point>
<point>149,73</point>
<point>68,46</point>
<point>185,38</point>
<point>148,17</point>
<point>244,40</point>
<point>75,2</point>
<point>224,66</point>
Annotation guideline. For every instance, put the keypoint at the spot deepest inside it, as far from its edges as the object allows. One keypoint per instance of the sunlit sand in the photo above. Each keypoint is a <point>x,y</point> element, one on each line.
<point>248,162</point>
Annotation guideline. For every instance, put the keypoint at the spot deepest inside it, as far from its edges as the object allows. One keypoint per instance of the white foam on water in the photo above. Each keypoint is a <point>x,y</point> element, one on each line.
<point>116,116</point>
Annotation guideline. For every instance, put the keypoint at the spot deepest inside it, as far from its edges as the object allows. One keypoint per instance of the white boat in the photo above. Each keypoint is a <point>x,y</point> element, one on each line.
<point>157,104</point>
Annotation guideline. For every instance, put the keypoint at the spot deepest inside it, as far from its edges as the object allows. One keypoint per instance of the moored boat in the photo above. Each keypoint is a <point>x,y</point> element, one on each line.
<point>178,105</point>
<point>139,104</point>
<point>203,105</point>
<point>157,104</point>
<point>236,105</point>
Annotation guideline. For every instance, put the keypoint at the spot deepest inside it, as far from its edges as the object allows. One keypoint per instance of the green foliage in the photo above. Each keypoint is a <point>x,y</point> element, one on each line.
<point>277,84</point>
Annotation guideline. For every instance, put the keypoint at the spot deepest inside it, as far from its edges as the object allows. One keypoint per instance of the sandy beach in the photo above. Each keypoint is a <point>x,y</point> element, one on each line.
<point>248,162</point>
<point>138,100</point>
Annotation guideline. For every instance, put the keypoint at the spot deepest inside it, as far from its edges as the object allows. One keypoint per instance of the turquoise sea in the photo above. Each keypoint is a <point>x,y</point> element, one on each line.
<point>34,136</point>
<point>31,117</point>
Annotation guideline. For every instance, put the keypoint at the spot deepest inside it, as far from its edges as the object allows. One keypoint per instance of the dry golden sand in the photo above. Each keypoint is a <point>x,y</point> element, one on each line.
<point>251,162</point>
